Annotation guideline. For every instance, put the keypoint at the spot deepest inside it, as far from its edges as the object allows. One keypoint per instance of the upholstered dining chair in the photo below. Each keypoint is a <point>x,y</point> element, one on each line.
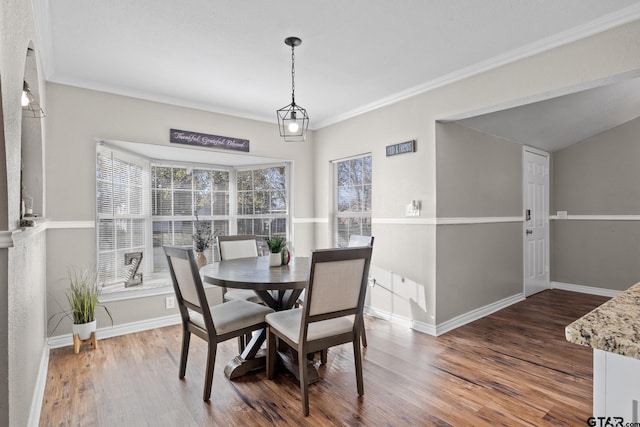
<point>355,240</point>
<point>213,324</point>
<point>240,246</point>
<point>330,315</point>
<point>233,247</point>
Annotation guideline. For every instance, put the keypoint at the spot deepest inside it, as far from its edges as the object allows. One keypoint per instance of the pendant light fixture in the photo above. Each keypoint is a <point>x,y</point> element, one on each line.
<point>293,120</point>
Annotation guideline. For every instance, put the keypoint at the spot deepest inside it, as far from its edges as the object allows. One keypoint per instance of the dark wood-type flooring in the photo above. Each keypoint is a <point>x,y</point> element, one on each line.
<point>511,368</point>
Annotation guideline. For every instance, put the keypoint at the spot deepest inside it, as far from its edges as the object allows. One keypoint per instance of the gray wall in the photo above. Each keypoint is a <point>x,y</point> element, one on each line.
<point>477,265</point>
<point>598,176</point>
<point>478,175</point>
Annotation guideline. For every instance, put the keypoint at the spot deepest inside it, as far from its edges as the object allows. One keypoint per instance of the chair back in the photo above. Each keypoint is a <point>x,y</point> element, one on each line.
<point>337,283</point>
<point>356,240</point>
<point>187,284</point>
<point>240,246</point>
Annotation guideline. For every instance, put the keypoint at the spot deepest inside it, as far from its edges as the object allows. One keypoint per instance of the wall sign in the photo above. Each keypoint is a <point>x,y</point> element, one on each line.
<point>401,148</point>
<point>212,141</point>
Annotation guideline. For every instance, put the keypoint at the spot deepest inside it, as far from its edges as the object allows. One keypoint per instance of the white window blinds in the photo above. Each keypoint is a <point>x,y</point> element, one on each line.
<point>262,202</point>
<point>121,208</point>
<point>179,193</point>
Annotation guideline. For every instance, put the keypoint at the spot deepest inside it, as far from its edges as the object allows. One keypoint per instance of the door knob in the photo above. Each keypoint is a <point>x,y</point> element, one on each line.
<point>529,231</point>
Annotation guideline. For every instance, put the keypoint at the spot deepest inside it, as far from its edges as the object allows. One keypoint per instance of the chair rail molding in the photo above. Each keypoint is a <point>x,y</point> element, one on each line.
<point>597,218</point>
<point>70,224</point>
<point>6,239</point>
<point>299,220</point>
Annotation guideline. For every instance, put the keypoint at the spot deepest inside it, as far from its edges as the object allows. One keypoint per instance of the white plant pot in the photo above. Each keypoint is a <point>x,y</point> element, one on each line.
<point>275,260</point>
<point>84,330</point>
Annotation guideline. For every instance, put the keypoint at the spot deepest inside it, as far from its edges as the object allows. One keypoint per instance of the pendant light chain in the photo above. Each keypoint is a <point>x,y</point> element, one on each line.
<point>293,76</point>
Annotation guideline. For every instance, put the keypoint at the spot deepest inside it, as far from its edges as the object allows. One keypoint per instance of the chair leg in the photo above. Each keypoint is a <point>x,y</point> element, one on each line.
<point>186,337</point>
<point>357,356</point>
<point>323,356</point>
<point>304,382</point>
<point>241,344</point>
<point>272,355</point>
<point>208,377</point>
<point>363,334</point>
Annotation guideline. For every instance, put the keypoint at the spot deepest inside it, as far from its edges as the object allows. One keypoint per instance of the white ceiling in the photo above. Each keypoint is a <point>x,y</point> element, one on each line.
<point>228,56</point>
<point>559,122</point>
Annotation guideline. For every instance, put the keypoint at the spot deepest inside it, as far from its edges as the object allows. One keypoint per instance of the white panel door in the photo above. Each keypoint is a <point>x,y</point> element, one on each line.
<point>536,220</point>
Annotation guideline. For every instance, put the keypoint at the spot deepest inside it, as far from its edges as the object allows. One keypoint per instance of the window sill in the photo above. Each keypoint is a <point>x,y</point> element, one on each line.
<point>156,284</point>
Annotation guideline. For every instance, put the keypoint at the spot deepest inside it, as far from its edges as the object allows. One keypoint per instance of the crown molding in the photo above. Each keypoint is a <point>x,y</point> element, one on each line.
<point>154,97</point>
<point>605,22</point>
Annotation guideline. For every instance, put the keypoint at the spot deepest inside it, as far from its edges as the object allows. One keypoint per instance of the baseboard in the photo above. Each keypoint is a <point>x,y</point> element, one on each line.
<point>425,328</point>
<point>127,328</point>
<point>38,391</point>
<point>476,314</point>
<point>449,324</point>
<point>390,317</point>
<point>401,320</point>
<point>584,289</point>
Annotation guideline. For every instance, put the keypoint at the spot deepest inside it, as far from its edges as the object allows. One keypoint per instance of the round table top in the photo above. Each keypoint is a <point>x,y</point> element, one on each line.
<point>255,273</point>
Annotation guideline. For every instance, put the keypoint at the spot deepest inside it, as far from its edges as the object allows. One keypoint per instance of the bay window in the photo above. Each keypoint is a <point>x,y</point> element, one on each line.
<point>142,205</point>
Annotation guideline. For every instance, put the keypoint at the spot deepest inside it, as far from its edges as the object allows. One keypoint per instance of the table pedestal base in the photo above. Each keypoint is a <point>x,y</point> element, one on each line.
<point>239,366</point>
<point>290,362</point>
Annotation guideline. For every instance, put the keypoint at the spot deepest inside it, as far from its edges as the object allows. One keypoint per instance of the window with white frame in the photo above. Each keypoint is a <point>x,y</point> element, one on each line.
<point>262,201</point>
<point>352,198</point>
<point>180,193</point>
<point>121,211</point>
<point>141,206</point>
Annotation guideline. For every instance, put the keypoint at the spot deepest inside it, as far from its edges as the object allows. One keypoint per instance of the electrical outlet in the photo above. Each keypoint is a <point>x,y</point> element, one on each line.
<point>170,302</point>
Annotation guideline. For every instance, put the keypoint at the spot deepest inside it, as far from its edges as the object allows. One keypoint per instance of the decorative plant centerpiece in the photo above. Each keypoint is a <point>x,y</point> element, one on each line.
<point>276,246</point>
<point>202,239</point>
<point>82,296</point>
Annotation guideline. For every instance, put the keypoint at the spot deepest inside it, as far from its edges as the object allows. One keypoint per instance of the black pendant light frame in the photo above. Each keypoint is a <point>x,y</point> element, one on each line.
<point>293,113</point>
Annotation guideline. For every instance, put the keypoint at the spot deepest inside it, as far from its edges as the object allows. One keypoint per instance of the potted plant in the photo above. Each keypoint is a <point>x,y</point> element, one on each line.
<point>202,238</point>
<point>82,296</point>
<point>276,244</point>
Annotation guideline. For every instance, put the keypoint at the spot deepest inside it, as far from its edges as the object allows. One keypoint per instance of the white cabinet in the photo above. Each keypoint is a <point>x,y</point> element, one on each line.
<point>616,386</point>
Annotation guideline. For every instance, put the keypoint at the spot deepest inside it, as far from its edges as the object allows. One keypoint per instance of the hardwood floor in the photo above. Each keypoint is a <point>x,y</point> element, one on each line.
<point>511,368</point>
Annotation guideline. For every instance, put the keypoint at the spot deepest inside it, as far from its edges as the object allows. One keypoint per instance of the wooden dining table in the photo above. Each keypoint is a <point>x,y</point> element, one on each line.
<point>278,287</point>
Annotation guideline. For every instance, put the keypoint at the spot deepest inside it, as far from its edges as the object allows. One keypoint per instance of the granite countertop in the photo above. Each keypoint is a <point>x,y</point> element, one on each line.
<point>614,326</point>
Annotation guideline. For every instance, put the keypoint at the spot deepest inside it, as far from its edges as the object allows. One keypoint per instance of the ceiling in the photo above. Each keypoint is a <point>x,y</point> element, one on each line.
<point>229,56</point>
<point>559,122</point>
